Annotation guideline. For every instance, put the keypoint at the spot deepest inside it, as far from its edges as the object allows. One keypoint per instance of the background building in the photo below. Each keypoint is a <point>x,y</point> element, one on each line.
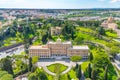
<point>109,24</point>
<point>55,30</point>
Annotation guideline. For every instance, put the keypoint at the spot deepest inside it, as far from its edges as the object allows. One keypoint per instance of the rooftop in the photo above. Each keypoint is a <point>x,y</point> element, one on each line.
<point>59,41</point>
<point>67,42</point>
<point>112,24</point>
<point>80,47</point>
<point>55,28</point>
<point>39,47</point>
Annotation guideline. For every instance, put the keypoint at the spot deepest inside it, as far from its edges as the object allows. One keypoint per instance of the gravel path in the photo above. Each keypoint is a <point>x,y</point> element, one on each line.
<point>49,72</point>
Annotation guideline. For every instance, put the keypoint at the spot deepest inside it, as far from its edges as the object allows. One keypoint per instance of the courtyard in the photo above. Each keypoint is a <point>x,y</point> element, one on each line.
<point>66,62</point>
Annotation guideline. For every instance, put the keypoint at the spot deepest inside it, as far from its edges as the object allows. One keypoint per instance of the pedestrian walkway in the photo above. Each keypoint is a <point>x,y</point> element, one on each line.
<point>49,72</point>
<point>67,70</point>
<point>82,77</point>
<point>117,64</point>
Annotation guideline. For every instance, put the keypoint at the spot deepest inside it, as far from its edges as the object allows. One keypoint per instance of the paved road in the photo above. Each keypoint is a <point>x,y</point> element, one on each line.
<point>114,64</point>
<point>117,64</point>
<point>82,77</point>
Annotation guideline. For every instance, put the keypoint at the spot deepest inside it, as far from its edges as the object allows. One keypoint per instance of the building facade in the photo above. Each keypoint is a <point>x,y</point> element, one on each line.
<point>55,30</point>
<point>109,24</point>
<point>58,49</point>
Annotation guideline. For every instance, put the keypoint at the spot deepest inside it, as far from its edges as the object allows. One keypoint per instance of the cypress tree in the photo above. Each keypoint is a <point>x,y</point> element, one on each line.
<point>78,72</point>
<point>6,64</point>
<point>94,75</point>
<point>30,64</point>
<point>76,67</point>
<point>91,57</point>
<point>89,70</point>
<point>68,77</point>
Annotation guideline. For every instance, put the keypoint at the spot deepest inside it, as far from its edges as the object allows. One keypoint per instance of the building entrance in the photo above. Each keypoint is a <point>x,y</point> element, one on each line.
<point>59,56</point>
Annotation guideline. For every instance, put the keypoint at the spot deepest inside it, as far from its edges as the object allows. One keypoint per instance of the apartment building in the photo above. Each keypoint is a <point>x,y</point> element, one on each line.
<point>58,49</point>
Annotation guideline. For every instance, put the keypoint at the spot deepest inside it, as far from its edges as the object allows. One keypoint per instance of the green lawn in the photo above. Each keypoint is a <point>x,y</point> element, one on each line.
<point>84,65</point>
<point>72,74</point>
<point>111,34</point>
<point>55,67</point>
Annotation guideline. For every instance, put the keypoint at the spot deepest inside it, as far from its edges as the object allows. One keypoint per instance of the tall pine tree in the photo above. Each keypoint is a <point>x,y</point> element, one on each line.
<point>79,72</point>
<point>89,70</point>
<point>91,57</point>
<point>6,64</point>
<point>94,74</point>
<point>30,64</point>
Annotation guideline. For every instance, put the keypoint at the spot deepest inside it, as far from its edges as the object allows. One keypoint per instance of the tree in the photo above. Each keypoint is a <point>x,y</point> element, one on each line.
<point>44,38</point>
<point>101,60</point>
<point>75,58</point>
<point>6,64</point>
<point>94,74</point>
<point>5,76</point>
<point>79,72</point>
<point>30,64</point>
<point>32,76</point>
<point>26,46</point>
<point>35,59</point>
<point>101,31</point>
<point>106,71</point>
<point>77,66</point>
<point>89,70</point>
<point>114,50</point>
<point>42,76</point>
<point>91,57</point>
<point>26,62</point>
<point>69,78</point>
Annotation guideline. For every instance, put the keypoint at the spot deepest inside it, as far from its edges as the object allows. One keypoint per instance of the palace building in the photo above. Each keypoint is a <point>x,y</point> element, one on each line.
<point>58,49</point>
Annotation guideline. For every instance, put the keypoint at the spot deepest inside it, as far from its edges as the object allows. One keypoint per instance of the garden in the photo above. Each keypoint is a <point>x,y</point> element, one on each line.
<point>57,68</point>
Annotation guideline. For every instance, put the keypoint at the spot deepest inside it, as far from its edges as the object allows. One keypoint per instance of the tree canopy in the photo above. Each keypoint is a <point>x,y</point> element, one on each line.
<point>75,58</point>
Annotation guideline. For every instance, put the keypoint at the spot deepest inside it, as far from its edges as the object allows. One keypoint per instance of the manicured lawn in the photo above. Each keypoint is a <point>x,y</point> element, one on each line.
<point>72,74</point>
<point>55,67</point>
<point>113,35</point>
<point>84,65</point>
